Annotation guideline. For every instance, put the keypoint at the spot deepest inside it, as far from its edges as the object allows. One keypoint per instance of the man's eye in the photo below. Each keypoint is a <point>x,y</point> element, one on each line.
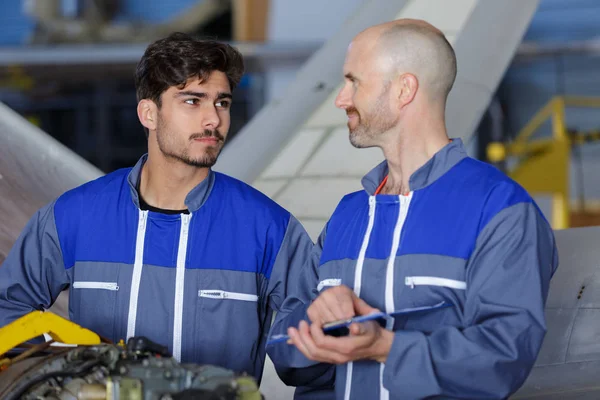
<point>223,104</point>
<point>192,102</point>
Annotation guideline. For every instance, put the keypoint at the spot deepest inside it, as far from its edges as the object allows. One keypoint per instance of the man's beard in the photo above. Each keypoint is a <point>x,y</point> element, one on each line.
<point>375,122</point>
<point>169,147</point>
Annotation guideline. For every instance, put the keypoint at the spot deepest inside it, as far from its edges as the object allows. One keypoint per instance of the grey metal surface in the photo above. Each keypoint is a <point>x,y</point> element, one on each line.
<point>34,169</point>
<point>568,366</point>
<point>130,53</point>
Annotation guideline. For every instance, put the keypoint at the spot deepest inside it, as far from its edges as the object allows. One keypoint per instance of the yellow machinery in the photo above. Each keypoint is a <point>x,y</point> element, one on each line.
<point>543,165</point>
<point>36,324</point>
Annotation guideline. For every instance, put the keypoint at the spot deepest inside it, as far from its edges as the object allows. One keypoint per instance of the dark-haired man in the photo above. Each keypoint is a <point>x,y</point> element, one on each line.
<point>168,249</point>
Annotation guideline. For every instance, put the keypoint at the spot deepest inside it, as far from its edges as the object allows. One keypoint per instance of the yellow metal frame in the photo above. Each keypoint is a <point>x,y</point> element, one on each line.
<point>543,164</point>
<point>36,324</point>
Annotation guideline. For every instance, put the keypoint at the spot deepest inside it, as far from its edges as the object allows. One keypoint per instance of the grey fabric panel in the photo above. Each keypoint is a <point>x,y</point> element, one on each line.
<point>372,282</point>
<point>337,269</point>
<point>33,273</point>
<point>341,374</point>
<point>366,380</point>
<point>224,332</point>
<point>102,311</point>
<point>438,165</point>
<point>520,244</point>
<point>198,195</point>
<point>155,306</point>
<point>293,255</point>
<point>374,278</point>
<point>435,266</point>
<point>507,279</point>
<point>291,366</point>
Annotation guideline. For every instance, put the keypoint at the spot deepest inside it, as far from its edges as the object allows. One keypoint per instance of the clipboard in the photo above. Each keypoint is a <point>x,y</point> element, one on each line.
<point>386,320</point>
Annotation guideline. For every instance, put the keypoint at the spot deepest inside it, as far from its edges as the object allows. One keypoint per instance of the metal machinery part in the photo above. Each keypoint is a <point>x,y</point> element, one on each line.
<point>140,371</point>
<point>143,370</point>
<point>568,366</point>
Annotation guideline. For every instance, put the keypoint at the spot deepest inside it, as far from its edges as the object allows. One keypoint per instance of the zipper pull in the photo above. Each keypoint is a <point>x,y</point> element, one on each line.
<point>143,218</point>
<point>408,281</point>
<point>371,205</point>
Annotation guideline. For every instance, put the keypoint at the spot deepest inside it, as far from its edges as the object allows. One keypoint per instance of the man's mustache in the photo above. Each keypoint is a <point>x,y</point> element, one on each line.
<point>352,110</point>
<point>207,134</point>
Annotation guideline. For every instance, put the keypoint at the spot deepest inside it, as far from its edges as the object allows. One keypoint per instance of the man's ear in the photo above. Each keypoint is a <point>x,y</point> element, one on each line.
<point>147,112</point>
<point>408,89</point>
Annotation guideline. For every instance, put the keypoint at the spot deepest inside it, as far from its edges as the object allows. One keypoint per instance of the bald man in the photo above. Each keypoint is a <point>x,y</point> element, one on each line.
<point>431,225</point>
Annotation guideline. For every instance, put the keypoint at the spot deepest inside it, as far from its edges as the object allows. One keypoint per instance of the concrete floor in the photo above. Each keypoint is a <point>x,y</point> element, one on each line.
<point>271,386</point>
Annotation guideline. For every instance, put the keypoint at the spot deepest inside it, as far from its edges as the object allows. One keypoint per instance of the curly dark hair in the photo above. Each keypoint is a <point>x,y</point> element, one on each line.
<point>173,60</point>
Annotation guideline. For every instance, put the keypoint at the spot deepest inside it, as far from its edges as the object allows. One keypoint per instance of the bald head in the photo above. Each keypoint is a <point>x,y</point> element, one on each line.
<point>415,47</point>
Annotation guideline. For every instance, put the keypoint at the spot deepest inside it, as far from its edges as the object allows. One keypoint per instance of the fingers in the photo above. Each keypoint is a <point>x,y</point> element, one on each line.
<point>315,345</point>
<point>357,329</point>
<point>320,311</point>
<point>344,297</point>
<point>361,307</point>
<point>333,304</point>
<point>303,340</point>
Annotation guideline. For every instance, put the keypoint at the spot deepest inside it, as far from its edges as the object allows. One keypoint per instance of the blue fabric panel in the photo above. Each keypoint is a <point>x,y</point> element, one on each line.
<point>238,228</point>
<point>446,217</point>
<point>346,228</point>
<point>98,221</point>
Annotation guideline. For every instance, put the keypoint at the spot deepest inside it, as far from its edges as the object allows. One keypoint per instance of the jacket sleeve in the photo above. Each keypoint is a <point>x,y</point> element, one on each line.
<point>293,254</point>
<point>33,274</point>
<point>292,367</point>
<point>508,277</point>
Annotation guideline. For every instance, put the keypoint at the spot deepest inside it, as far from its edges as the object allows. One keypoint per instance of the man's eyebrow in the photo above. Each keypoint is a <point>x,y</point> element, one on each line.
<point>224,95</point>
<point>200,95</point>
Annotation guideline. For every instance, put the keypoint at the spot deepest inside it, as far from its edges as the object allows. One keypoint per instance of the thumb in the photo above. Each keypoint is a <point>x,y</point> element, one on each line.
<point>361,307</point>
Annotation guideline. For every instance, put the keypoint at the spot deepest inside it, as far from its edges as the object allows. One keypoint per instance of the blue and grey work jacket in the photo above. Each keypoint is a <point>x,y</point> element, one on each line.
<point>465,234</point>
<point>205,284</point>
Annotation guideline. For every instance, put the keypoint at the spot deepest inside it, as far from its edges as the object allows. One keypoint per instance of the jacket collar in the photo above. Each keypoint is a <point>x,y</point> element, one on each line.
<point>432,170</point>
<point>193,201</point>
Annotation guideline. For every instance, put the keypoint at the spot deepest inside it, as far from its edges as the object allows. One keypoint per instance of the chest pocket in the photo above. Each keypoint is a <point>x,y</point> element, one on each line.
<point>428,280</point>
<point>93,298</point>
<point>223,295</point>
<point>229,317</point>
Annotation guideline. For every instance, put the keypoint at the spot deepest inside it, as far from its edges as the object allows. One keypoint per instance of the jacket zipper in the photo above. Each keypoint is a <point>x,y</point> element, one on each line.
<point>223,295</point>
<point>413,281</point>
<point>404,204</point>
<point>137,273</point>
<point>96,285</point>
<point>329,282</point>
<point>179,285</point>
